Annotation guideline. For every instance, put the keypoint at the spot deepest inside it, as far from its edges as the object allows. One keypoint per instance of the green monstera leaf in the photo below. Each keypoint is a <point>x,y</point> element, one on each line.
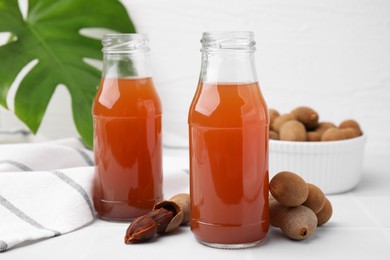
<point>50,35</point>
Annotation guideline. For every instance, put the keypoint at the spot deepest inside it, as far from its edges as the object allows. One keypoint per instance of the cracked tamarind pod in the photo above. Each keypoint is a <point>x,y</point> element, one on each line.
<point>141,229</point>
<point>166,216</point>
<point>162,217</point>
<point>180,206</point>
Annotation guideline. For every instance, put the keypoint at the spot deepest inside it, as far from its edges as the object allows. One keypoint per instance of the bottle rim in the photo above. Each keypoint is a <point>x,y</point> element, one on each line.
<point>125,43</point>
<point>228,41</point>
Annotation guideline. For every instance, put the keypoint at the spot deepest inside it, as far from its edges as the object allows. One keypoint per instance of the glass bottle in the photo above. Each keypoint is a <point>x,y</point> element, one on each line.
<point>228,129</point>
<point>127,131</point>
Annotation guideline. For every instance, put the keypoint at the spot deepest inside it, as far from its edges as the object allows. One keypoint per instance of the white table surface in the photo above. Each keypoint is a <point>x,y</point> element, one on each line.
<point>359,228</point>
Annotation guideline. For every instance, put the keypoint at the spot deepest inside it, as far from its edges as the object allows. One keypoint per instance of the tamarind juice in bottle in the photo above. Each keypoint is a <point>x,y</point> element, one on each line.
<point>127,132</point>
<point>228,129</point>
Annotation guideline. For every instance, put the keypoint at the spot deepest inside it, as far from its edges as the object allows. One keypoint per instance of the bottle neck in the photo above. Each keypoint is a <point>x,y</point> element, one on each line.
<point>125,65</point>
<point>228,57</point>
<point>126,55</point>
<point>228,67</point>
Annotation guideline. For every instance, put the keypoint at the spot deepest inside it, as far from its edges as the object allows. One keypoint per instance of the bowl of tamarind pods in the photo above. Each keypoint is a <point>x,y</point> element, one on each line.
<point>324,153</point>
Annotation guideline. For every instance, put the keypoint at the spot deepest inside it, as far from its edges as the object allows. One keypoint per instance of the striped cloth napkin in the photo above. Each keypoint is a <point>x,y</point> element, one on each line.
<point>45,190</point>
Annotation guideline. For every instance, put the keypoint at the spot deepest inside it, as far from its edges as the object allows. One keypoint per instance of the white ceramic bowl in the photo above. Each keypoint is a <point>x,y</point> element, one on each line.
<point>334,166</point>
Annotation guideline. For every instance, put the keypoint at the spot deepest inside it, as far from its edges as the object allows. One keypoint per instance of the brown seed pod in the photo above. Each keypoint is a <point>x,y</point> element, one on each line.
<point>276,210</point>
<point>162,217</point>
<point>183,200</point>
<point>292,130</point>
<point>288,189</point>
<point>298,223</point>
<point>280,120</point>
<point>273,113</point>
<point>333,134</point>
<point>350,123</point>
<point>306,116</point>
<point>316,199</point>
<point>325,214</point>
<point>180,206</point>
<point>141,229</point>
<point>313,136</point>
<point>350,132</point>
<point>273,135</point>
<point>323,126</point>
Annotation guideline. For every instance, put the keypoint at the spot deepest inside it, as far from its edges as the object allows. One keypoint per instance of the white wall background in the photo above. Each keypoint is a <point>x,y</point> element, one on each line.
<point>331,55</point>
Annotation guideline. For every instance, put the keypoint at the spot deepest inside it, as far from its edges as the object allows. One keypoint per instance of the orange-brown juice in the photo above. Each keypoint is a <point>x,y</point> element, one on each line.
<point>229,163</point>
<point>127,145</point>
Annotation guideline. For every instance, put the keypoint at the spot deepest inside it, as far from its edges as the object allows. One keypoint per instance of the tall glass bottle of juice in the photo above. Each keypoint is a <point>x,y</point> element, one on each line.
<point>228,128</point>
<point>127,131</point>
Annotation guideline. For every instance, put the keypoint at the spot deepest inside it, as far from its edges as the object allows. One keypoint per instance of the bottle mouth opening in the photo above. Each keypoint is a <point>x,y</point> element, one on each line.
<point>228,41</point>
<point>125,43</point>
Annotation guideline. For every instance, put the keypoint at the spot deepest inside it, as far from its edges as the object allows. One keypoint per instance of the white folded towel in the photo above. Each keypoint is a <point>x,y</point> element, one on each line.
<point>45,190</point>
